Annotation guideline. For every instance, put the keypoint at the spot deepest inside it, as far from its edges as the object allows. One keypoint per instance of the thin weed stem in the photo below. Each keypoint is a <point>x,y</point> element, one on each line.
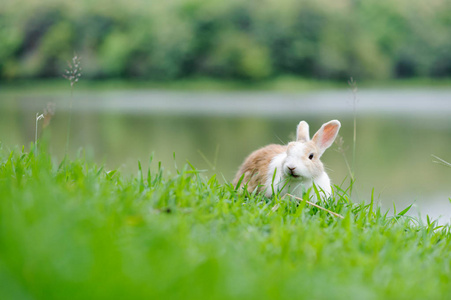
<point>441,161</point>
<point>73,74</point>
<point>341,149</point>
<point>38,117</point>
<point>315,205</point>
<point>353,85</point>
<point>70,118</point>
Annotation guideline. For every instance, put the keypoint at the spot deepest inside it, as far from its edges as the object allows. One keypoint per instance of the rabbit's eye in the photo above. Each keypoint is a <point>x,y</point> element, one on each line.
<point>310,156</point>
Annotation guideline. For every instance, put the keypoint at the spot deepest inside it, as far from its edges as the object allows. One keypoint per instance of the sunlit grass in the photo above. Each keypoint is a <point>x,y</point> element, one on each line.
<point>78,231</point>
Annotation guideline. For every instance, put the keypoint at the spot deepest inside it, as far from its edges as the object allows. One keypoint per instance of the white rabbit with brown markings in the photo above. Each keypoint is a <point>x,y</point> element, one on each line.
<point>291,168</point>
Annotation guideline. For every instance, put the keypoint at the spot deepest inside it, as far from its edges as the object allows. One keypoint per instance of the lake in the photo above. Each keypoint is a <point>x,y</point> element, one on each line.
<point>398,131</point>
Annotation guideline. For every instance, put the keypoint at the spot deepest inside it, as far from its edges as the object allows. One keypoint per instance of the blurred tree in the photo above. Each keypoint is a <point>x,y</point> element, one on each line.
<point>251,40</point>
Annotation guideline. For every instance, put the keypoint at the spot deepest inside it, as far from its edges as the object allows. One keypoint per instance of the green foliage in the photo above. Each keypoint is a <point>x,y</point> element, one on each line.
<point>254,40</point>
<point>78,231</point>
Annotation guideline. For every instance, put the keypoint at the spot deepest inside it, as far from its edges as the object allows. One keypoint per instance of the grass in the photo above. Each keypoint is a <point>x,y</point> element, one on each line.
<point>76,231</point>
<point>441,161</point>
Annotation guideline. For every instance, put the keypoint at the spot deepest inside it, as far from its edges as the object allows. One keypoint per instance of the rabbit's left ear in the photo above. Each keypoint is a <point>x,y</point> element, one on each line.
<point>326,135</point>
<point>302,132</point>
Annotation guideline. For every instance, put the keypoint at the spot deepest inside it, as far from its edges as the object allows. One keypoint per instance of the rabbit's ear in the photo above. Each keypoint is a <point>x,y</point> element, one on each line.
<point>302,132</point>
<point>326,135</point>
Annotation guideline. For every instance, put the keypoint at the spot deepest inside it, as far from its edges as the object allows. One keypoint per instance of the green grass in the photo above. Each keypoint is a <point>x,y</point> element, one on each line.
<point>73,230</point>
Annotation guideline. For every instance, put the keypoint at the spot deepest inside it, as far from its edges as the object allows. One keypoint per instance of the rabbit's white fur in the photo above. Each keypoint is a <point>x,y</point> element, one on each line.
<point>285,184</point>
<point>292,168</point>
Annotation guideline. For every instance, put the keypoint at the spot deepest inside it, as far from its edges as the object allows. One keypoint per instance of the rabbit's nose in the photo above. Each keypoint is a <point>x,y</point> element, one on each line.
<point>291,170</point>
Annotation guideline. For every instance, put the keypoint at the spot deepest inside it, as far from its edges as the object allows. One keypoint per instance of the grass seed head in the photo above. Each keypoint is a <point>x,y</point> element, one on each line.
<point>73,73</point>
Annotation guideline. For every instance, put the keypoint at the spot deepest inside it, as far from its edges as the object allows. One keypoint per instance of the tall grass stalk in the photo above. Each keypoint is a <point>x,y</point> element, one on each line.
<point>340,141</point>
<point>342,150</point>
<point>353,85</point>
<point>70,119</point>
<point>441,161</point>
<point>73,74</point>
<point>38,117</point>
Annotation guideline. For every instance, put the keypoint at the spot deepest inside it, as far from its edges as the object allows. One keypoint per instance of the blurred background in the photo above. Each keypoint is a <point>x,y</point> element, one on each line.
<point>211,81</point>
<point>251,40</point>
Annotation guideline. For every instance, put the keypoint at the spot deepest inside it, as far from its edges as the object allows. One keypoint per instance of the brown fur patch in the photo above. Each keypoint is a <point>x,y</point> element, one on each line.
<point>255,167</point>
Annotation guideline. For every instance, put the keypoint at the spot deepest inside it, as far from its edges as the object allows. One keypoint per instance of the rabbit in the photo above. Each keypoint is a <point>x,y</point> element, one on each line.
<point>291,168</point>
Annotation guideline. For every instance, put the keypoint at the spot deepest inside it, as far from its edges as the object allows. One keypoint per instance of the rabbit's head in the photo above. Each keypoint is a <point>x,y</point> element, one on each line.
<point>303,156</point>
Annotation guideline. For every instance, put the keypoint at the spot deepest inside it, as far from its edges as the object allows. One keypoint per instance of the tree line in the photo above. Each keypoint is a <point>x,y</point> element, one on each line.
<point>251,40</point>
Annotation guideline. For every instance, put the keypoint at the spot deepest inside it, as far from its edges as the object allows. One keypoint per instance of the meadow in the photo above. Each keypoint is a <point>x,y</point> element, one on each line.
<point>71,229</point>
